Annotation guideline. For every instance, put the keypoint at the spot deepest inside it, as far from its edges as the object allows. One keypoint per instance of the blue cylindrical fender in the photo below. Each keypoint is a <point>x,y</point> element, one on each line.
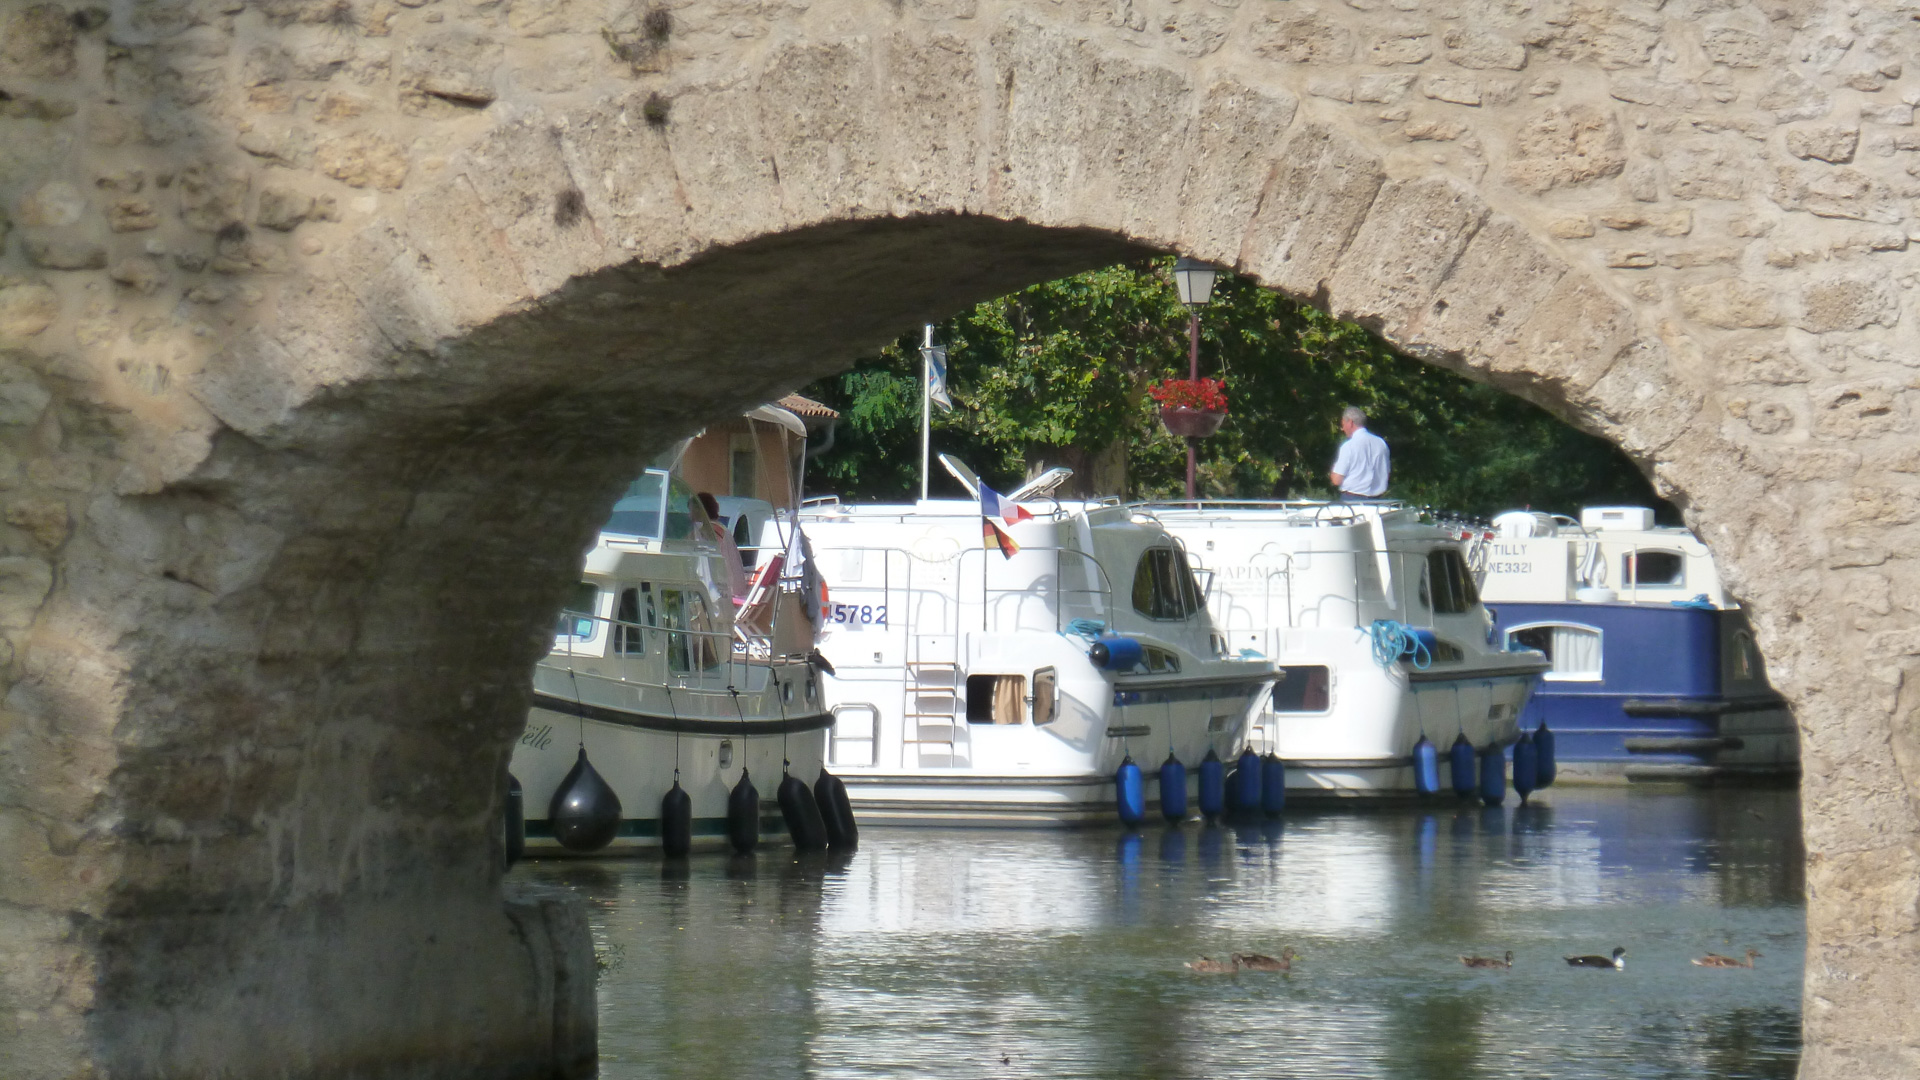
<point>1246,783</point>
<point>1426,767</point>
<point>676,821</point>
<point>1460,765</point>
<point>804,824</point>
<point>1493,775</point>
<point>1526,767</point>
<point>1213,786</point>
<point>1130,793</point>
<point>1273,785</point>
<point>1543,744</point>
<point>1173,789</point>
<point>743,815</point>
<point>1115,653</point>
<point>584,813</point>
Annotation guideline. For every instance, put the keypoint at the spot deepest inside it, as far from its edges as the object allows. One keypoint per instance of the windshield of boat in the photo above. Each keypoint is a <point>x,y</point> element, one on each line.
<point>654,507</point>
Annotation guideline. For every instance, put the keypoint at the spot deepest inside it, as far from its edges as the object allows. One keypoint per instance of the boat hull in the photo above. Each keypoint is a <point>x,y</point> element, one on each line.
<point>1668,705</point>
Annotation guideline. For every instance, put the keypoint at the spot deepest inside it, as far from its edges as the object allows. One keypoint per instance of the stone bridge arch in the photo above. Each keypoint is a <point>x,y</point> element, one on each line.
<point>328,329</point>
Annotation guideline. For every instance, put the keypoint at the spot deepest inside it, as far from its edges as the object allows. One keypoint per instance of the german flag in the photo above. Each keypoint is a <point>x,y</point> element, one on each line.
<point>996,537</point>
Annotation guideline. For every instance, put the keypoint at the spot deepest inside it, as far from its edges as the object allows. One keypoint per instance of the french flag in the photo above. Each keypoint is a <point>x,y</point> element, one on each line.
<point>993,504</point>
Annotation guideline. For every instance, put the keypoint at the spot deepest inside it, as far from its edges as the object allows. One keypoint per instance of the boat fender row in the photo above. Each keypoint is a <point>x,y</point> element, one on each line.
<point>1493,775</point>
<point>586,814</point>
<point>1256,785</point>
<point>1526,766</point>
<point>1543,743</point>
<point>1460,765</point>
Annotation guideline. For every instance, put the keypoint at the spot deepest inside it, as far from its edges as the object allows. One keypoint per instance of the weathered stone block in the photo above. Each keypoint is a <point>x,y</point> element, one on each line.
<point>1730,303</point>
<point>1828,142</point>
<point>57,203</point>
<point>1560,146</point>
<point>38,43</point>
<point>1482,49</point>
<point>363,160</point>
<point>26,308</point>
<point>1321,188</point>
<point>454,65</point>
<point>212,196</point>
<point>1847,303</point>
<point>1413,233</point>
<point>65,252</point>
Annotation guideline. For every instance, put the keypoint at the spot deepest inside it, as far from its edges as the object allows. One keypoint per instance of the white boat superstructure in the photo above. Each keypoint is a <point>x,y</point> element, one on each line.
<point>1331,592</point>
<point>963,689</point>
<point>659,674</point>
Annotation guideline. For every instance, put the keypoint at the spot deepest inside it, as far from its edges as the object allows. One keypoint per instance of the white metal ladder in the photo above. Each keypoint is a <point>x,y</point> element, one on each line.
<point>932,698</point>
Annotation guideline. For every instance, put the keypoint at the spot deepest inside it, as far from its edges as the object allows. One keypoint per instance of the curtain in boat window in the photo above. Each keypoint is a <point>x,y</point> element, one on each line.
<point>1574,650</point>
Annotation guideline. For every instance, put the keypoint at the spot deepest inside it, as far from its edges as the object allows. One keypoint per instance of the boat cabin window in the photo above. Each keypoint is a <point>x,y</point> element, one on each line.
<point>1160,661</point>
<point>1046,696</point>
<point>1163,586</point>
<point>1448,585</point>
<point>1302,688</point>
<point>1654,569</point>
<point>697,647</point>
<point>1573,650</point>
<point>576,618</point>
<point>1446,652</point>
<point>996,699</point>
<point>635,611</point>
<point>654,507</point>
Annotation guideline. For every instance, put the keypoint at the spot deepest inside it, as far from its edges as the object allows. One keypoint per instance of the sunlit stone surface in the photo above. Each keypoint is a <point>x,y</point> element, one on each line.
<point>329,327</point>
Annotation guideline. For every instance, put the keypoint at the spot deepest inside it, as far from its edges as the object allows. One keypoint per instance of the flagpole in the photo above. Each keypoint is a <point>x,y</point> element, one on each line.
<point>926,408</point>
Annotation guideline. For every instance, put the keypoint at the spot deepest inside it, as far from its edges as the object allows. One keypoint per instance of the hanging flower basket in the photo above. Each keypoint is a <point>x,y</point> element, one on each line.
<point>1191,408</point>
<point>1191,423</point>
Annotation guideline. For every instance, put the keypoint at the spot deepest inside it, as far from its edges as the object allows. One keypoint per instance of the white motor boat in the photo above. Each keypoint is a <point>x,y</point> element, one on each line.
<point>965,688</point>
<point>660,676</point>
<point>1655,672</point>
<point>1372,614</point>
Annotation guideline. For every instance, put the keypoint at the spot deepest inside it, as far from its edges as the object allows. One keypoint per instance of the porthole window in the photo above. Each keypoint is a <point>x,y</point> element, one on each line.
<point>1574,650</point>
<point>1163,585</point>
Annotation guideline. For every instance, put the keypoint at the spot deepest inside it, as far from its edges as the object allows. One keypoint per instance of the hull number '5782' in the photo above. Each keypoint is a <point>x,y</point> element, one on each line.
<point>858,614</point>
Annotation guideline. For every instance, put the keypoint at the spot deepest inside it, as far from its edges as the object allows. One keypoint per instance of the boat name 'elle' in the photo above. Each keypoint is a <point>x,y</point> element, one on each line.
<point>537,737</point>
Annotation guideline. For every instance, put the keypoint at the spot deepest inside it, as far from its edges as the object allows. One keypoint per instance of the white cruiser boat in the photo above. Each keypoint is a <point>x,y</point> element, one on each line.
<point>963,690</point>
<point>659,674</point>
<point>1330,591</point>
<point>1655,672</point>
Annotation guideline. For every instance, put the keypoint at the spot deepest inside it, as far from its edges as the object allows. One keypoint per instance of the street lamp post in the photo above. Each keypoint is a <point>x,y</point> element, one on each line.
<point>1194,280</point>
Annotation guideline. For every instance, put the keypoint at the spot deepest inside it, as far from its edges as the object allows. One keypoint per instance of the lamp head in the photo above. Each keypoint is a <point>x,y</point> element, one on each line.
<point>1194,280</point>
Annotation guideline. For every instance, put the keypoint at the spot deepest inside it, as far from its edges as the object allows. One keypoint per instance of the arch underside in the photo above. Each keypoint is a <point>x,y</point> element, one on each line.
<point>289,553</point>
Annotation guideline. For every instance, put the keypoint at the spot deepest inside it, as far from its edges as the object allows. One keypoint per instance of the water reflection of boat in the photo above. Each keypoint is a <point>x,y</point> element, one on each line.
<point>965,687</point>
<point>1317,586</point>
<point>1655,672</point>
<point>671,664</point>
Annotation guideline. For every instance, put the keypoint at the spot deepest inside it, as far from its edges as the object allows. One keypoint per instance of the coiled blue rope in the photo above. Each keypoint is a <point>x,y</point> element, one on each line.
<point>1394,640</point>
<point>1091,629</point>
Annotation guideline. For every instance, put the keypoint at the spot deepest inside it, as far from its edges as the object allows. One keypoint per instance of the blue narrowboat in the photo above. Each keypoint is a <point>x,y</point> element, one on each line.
<point>1655,674</point>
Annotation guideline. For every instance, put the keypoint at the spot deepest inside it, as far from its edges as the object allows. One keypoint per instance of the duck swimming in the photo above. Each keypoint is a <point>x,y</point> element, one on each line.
<point>1488,961</point>
<point>1262,962</point>
<point>1600,961</point>
<point>1715,960</point>
<point>1207,965</point>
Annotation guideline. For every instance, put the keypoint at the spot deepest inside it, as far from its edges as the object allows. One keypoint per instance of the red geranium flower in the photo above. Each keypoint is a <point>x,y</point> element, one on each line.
<point>1203,395</point>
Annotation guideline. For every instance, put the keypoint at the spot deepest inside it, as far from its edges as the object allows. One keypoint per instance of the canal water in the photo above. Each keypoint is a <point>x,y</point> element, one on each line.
<point>999,953</point>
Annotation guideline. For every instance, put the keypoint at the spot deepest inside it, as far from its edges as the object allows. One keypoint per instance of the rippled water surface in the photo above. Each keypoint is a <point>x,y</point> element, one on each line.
<point>964,953</point>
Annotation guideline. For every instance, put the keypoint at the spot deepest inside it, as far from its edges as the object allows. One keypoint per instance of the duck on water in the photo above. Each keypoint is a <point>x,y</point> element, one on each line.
<point>1715,960</point>
<point>1617,962</point>
<point>1488,961</point>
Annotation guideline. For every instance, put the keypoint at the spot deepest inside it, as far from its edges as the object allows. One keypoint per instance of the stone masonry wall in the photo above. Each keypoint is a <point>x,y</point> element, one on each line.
<point>328,328</point>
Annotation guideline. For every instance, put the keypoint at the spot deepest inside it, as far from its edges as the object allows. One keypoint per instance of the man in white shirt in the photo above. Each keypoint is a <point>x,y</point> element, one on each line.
<point>1360,472</point>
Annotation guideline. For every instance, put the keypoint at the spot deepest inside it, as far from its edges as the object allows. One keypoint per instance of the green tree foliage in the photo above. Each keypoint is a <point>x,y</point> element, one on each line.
<point>1058,374</point>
